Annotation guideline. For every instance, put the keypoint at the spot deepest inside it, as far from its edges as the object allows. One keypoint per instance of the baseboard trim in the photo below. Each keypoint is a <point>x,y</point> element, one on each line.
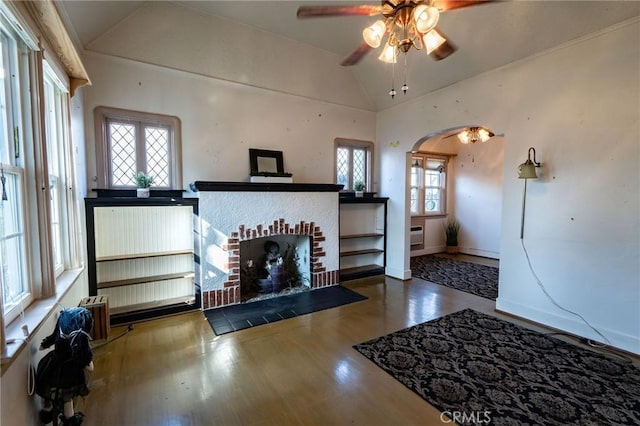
<point>398,273</point>
<point>575,327</point>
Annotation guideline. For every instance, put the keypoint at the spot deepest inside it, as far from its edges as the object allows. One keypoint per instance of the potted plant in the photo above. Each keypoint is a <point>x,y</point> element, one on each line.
<point>359,188</point>
<point>143,182</point>
<point>451,229</point>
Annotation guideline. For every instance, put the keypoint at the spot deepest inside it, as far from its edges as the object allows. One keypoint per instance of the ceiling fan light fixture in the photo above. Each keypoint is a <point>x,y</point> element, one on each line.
<point>388,54</point>
<point>425,17</point>
<point>484,135</point>
<point>475,134</point>
<point>432,40</point>
<point>374,33</point>
<point>464,136</point>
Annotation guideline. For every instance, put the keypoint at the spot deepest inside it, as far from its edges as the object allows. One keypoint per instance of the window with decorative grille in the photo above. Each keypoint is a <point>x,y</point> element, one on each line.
<point>131,141</point>
<point>353,163</point>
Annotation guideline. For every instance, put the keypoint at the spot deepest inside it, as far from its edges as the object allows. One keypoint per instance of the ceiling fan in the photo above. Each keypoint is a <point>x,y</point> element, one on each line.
<point>404,23</point>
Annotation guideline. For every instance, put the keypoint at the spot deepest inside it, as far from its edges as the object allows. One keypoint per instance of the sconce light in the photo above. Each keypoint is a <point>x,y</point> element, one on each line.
<point>527,170</point>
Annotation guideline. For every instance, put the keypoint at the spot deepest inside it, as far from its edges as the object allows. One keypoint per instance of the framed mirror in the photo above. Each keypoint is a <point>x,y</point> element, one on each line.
<point>265,162</point>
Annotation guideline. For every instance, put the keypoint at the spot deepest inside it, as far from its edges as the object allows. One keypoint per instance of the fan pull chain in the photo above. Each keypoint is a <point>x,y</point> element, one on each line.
<point>404,86</point>
<point>392,92</point>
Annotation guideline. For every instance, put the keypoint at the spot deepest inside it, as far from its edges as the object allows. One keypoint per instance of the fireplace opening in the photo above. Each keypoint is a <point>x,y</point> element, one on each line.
<point>274,266</point>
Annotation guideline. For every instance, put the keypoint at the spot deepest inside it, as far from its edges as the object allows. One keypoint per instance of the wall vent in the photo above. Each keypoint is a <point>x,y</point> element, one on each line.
<point>417,235</point>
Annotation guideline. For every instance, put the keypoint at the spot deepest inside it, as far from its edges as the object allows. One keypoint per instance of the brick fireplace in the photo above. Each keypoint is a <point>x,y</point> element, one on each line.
<point>234,212</point>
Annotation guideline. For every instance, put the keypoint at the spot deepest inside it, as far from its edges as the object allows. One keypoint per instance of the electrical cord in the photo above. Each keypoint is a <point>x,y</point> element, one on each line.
<point>544,290</point>
<point>31,374</point>
<point>598,347</point>
<point>129,328</point>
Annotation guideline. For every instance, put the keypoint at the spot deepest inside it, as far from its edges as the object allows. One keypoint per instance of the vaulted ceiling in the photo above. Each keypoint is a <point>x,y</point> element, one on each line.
<point>488,36</point>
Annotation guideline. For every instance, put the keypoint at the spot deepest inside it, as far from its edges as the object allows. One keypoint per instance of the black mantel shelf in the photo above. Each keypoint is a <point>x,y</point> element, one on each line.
<point>264,187</point>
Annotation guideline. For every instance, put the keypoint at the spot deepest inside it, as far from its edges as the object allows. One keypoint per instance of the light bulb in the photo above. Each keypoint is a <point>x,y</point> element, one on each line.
<point>463,136</point>
<point>373,34</point>
<point>388,54</point>
<point>425,17</point>
<point>432,40</point>
<point>483,135</point>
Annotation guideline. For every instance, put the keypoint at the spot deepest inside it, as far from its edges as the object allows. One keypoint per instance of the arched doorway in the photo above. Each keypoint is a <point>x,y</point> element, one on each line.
<point>471,192</point>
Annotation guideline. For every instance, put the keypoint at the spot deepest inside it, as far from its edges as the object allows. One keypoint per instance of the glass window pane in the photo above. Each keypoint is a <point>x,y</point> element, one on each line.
<point>432,200</point>
<point>432,178</point>
<point>157,149</point>
<point>342,167</point>
<point>5,128</point>
<point>123,153</point>
<point>359,165</point>
<point>415,176</point>
<point>414,200</point>
<point>53,125</point>
<point>51,128</point>
<point>12,244</point>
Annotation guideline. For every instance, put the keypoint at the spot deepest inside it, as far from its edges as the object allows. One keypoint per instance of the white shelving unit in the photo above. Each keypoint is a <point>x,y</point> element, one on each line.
<point>142,255</point>
<point>362,236</point>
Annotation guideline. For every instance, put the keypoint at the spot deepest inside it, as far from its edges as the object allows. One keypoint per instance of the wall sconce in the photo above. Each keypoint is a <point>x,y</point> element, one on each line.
<point>527,170</point>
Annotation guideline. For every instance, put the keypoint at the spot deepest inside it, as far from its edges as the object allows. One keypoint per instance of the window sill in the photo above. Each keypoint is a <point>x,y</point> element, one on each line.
<point>35,314</point>
<point>429,215</point>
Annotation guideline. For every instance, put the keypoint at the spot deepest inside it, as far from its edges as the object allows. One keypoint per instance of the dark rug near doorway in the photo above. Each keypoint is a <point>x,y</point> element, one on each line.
<point>245,315</point>
<point>477,369</point>
<point>473,278</point>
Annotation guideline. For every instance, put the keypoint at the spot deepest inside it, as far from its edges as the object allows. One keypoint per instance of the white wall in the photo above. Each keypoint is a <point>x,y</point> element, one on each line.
<point>578,105</point>
<point>477,173</point>
<point>221,120</point>
<point>582,227</point>
<point>177,37</point>
<point>18,407</point>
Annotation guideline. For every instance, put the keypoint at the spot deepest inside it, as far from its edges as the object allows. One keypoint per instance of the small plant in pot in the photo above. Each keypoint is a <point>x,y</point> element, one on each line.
<point>451,229</point>
<point>359,188</point>
<point>143,182</point>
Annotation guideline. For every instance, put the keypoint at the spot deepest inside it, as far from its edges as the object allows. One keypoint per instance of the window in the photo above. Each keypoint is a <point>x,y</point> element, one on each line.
<point>16,291</point>
<point>353,163</point>
<point>428,185</point>
<point>131,141</point>
<point>55,117</point>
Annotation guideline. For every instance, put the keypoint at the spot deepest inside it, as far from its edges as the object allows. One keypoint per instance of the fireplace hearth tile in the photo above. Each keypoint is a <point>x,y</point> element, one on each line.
<point>287,314</point>
<point>245,315</point>
<point>240,324</point>
<point>257,321</point>
<point>225,328</point>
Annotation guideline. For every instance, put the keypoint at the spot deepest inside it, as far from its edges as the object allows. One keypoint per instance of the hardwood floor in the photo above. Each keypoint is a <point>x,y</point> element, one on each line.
<point>175,371</point>
<point>300,371</point>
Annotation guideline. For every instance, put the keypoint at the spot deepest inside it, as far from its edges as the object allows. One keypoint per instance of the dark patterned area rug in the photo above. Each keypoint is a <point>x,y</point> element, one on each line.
<point>469,277</point>
<point>472,367</point>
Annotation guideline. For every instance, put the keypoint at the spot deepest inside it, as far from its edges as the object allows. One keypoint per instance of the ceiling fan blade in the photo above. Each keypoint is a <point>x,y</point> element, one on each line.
<point>356,55</point>
<point>444,50</point>
<point>323,11</point>
<point>443,5</point>
<point>452,134</point>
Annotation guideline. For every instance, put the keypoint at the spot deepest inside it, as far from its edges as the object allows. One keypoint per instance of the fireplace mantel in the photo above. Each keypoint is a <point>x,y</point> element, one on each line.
<point>213,186</point>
